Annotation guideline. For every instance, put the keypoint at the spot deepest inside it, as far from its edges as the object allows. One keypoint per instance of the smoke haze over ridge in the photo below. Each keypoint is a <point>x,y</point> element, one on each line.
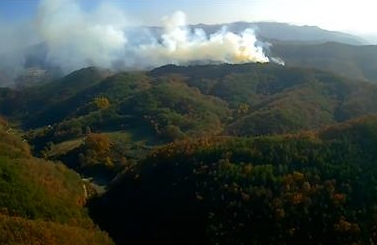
<point>105,37</point>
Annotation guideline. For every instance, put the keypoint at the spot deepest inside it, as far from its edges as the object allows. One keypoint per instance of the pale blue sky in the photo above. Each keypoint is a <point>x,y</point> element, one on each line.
<point>344,15</point>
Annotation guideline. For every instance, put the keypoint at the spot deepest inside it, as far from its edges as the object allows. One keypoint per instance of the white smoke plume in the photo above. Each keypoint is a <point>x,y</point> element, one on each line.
<point>76,39</point>
<point>13,40</point>
<point>105,37</point>
<point>179,45</point>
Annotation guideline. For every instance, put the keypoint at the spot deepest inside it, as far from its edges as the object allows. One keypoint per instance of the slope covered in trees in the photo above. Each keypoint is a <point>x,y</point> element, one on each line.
<point>167,142</point>
<point>350,61</point>
<point>173,103</point>
<point>267,99</point>
<point>307,188</point>
<point>41,202</point>
<point>311,98</point>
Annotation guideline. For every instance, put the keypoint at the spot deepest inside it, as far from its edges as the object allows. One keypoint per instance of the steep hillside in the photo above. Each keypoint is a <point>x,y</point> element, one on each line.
<point>172,102</point>
<point>269,99</point>
<point>308,188</point>
<point>163,144</point>
<point>358,62</point>
<point>41,202</point>
<point>127,113</point>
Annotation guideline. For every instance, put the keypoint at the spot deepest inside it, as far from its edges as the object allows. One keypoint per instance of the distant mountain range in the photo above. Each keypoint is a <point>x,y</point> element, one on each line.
<point>358,62</point>
<point>282,32</point>
<point>286,32</point>
<point>307,46</point>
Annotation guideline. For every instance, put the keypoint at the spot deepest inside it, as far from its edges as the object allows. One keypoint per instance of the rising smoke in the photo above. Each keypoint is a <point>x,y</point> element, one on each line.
<point>13,40</point>
<point>105,37</point>
<point>76,39</point>
<point>179,44</point>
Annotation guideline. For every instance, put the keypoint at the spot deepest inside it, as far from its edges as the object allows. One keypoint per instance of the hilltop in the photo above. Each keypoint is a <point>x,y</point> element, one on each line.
<point>175,102</point>
<point>195,150</point>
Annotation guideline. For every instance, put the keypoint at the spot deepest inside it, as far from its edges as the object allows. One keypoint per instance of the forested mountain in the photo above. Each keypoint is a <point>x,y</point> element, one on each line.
<point>203,154</point>
<point>32,64</point>
<point>269,99</point>
<point>41,202</point>
<point>174,102</point>
<point>225,93</point>
<point>307,188</point>
<point>357,62</point>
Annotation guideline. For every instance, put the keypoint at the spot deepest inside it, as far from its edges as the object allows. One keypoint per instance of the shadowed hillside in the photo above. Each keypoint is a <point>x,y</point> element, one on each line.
<point>174,102</point>
<point>358,62</point>
<point>162,163</point>
<point>307,188</point>
<point>41,202</point>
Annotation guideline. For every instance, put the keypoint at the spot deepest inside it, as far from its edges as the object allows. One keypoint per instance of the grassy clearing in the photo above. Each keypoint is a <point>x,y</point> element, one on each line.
<point>64,147</point>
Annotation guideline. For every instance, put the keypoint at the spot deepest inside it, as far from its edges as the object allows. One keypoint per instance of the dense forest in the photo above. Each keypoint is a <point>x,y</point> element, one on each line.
<point>202,154</point>
<point>41,202</point>
<point>307,188</point>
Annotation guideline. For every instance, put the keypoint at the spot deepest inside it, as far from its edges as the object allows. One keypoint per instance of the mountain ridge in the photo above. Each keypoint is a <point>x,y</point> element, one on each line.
<point>357,62</point>
<point>31,64</point>
<point>287,32</point>
<point>193,151</point>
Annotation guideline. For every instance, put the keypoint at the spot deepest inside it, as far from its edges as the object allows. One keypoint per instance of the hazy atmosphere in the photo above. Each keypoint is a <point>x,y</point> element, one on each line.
<point>113,33</point>
<point>212,122</point>
<point>349,15</point>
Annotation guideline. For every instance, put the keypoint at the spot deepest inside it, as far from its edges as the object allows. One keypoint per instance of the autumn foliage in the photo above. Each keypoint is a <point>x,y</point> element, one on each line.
<point>41,202</point>
<point>309,188</point>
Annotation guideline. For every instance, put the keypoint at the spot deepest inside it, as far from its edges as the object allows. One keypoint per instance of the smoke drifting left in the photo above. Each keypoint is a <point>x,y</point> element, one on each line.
<point>104,37</point>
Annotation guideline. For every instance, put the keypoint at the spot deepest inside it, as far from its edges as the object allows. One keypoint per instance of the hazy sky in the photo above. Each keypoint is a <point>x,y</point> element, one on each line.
<point>109,33</point>
<point>344,15</point>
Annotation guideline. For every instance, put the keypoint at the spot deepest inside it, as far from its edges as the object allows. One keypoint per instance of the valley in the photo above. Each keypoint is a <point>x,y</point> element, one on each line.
<point>127,122</point>
<point>161,151</point>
